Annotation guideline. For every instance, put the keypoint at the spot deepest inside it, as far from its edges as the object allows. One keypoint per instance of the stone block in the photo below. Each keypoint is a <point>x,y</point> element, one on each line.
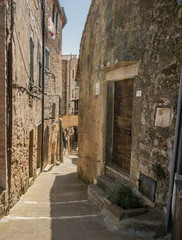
<point>163,117</point>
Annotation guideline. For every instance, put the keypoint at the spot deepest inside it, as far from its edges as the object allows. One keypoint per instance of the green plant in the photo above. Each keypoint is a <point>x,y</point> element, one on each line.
<point>159,171</point>
<point>123,197</point>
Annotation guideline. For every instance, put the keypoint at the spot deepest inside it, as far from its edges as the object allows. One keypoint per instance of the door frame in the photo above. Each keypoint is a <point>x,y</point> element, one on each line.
<point>121,71</point>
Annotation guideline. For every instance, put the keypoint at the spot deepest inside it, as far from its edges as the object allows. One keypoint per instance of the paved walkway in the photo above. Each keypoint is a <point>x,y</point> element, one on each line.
<point>56,207</point>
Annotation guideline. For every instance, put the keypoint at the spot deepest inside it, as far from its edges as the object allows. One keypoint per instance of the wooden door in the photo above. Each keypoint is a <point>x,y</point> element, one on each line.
<point>122,133</point>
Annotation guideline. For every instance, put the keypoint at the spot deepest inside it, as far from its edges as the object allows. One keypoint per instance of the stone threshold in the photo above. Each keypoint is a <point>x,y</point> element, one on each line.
<point>118,174</point>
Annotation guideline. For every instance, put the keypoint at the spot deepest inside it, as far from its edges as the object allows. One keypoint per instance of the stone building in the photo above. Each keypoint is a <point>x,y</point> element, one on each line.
<point>130,64</point>
<point>70,102</point>
<point>21,92</point>
<point>70,92</point>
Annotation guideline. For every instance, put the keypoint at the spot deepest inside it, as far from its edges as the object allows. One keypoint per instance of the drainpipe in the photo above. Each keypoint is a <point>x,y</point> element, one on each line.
<point>69,96</point>
<point>9,99</point>
<point>43,52</point>
<point>60,140</point>
<point>175,152</point>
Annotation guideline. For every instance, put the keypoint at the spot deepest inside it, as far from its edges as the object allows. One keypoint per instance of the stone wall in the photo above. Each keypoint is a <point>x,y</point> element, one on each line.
<point>70,63</point>
<point>3,104</point>
<point>27,97</point>
<point>118,34</point>
<point>3,112</point>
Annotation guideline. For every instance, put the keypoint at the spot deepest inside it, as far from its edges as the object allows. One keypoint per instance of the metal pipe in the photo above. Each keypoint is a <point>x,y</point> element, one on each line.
<point>43,53</point>
<point>175,151</point>
<point>179,161</point>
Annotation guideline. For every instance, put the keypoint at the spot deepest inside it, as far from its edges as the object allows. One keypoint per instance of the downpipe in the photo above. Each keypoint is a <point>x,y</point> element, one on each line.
<point>174,160</point>
<point>43,55</point>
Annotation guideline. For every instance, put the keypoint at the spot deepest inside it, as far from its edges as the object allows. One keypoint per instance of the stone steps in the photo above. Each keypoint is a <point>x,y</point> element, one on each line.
<point>97,192</point>
<point>144,220</point>
<point>74,150</point>
<point>105,182</point>
<point>96,195</point>
<point>118,175</point>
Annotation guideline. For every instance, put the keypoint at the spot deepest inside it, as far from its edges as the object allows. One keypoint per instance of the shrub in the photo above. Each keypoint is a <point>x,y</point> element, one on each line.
<point>123,197</point>
<point>159,171</point>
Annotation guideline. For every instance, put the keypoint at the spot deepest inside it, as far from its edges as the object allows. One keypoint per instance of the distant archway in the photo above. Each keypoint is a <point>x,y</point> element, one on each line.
<point>69,121</point>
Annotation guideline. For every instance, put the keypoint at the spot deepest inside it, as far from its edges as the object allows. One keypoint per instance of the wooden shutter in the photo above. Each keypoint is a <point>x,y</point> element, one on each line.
<point>47,55</point>
<point>31,60</point>
<point>54,15</point>
<point>53,111</point>
<point>57,23</point>
<point>40,75</point>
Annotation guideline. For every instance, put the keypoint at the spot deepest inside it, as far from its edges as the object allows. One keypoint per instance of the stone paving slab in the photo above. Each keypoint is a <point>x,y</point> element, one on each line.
<point>56,207</point>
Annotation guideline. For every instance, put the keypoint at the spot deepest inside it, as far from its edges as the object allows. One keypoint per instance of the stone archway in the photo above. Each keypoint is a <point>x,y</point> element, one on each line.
<point>69,121</point>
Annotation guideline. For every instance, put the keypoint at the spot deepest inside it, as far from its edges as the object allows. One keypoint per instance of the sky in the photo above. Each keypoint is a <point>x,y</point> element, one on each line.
<point>76,12</point>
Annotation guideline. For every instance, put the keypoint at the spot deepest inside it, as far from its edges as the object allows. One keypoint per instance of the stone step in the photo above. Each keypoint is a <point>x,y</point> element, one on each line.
<point>74,150</point>
<point>48,168</point>
<point>98,191</point>
<point>96,195</point>
<point>118,175</point>
<point>73,153</point>
<point>105,182</point>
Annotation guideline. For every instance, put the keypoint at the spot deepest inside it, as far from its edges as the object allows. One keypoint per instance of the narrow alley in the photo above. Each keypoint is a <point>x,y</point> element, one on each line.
<point>90,119</point>
<point>56,207</point>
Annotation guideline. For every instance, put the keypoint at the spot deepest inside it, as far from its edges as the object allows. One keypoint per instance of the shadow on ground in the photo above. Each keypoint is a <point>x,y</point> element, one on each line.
<point>72,216</point>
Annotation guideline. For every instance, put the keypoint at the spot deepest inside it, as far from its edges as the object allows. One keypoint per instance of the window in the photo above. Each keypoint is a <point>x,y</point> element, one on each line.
<point>31,60</point>
<point>53,111</point>
<point>40,75</point>
<point>47,58</point>
<point>57,23</point>
<point>76,106</point>
<point>54,15</point>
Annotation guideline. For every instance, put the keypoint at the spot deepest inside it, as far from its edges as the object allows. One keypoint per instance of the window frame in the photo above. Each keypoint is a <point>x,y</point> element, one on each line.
<point>57,22</point>
<point>54,15</point>
<point>31,60</point>
<point>47,59</point>
<point>40,74</point>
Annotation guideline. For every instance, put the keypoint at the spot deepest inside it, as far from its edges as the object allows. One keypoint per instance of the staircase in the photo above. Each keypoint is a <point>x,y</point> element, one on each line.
<point>149,221</point>
<point>74,150</point>
<point>98,191</point>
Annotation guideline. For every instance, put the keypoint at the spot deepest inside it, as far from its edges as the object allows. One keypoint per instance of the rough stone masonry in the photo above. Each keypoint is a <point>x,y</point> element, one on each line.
<point>138,40</point>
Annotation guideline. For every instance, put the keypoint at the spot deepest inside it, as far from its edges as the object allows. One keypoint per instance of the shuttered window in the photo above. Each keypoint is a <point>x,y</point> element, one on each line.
<point>57,23</point>
<point>40,75</point>
<point>31,60</point>
<point>53,111</point>
<point>54,15</point>
<point>47,59</point>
